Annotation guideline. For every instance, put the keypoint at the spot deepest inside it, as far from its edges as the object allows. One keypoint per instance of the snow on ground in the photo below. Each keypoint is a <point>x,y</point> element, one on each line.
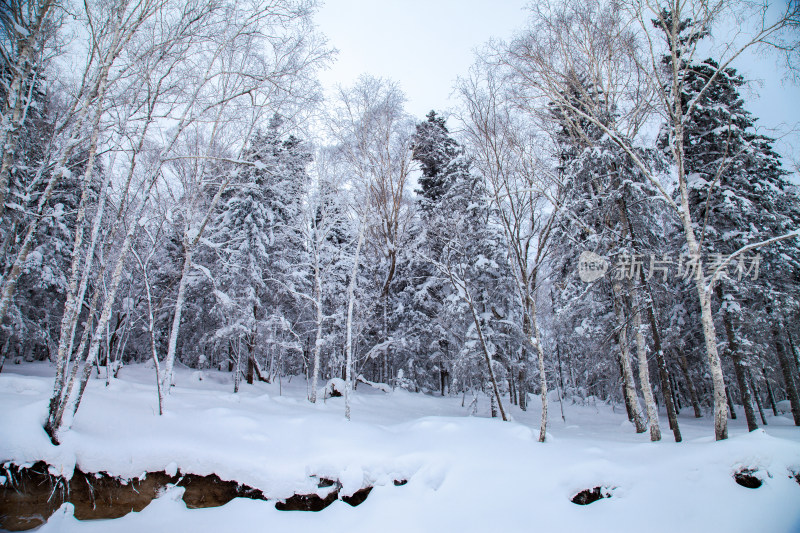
<point>464,473</point>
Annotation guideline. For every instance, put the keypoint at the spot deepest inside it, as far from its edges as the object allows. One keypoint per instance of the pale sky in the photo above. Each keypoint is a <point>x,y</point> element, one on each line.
<point>424,45</point>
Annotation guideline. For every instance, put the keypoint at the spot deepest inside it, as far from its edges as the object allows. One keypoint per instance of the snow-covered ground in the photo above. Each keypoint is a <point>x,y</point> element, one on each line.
<point>464,473</point>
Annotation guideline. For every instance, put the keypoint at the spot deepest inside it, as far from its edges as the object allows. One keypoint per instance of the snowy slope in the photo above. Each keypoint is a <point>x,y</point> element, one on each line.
<point>464,473</point>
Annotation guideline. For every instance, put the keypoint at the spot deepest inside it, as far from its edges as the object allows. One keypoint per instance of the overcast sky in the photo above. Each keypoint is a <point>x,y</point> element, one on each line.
<point>422,44</point>
<point>425,44</point>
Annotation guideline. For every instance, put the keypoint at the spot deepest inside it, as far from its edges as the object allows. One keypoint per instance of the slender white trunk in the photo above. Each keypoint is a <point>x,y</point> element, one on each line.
<point>707,320</point>
<point>318,340</point>
<point>23,72</point>
<point>73,304</point>
<point>105,315</point>
<point>537,342</point>
<point>169,361</point>
<point>351,291</point>
<point>70,401</point>
<point>59,403</point>
<point>238,368</point>
<point>703,292</point>
<point>151,326</point>
<point>714,363</point>
<point>190,240</point>
<point>625,360</point>
<point>644,376</point>
<point>486,353</point>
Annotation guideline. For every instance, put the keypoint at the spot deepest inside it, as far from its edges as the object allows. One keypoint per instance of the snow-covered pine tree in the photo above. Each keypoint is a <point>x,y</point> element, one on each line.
<point>467,252</point>
<point>256,238</point>
<point>440,157</point>
<point>739,196</point>
<point>608,209</point>
<point>442,162</point>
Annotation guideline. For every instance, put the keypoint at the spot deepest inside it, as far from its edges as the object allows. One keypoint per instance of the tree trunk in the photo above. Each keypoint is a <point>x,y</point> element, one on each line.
<point>627,400</point>
<point>731,409</point>
<point>23,72</point>
<point>744,393</point>
<point>674,393</point>
<point>738,365</point>
<point>169,361</point>
<point>698,413</point>
<point>537,342</point>
<point>624,359</point>
<point>521,381</point>
<point>250,364</point>
<point>714,363</point>
<point>770,395</point>
<point>237,370</point>
<point>487,358</point>
<point>795,353</point>
<point>251,347</point>
<point>663,372</point>
<point>318,338</point>
<point>70,403</point>
<point>703,290</point>
<point>757,396</point>
<point>786,368</point>
<point>511,392</point>
<point>351,288</point>
<point>644,377</point>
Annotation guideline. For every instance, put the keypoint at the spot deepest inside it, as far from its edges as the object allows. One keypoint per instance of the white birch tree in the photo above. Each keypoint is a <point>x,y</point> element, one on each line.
<point>627,66</point>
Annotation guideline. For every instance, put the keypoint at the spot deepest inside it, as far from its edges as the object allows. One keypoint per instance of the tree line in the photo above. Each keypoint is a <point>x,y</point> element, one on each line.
<point>175,189</point>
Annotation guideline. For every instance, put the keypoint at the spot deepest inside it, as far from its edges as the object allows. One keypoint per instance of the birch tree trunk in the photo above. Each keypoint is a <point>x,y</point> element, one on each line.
<point>151,325</point>
<point>685,214</point>
<point>351,290</point>
<point>486,354</point>
<point>23,71</point>
<point>70,399</point>
<point>655,332</point>
<point>644,376</point>
<point>624,359</point>
<point>536,341</point>
<point>172,345</point>
<point>318,339</point>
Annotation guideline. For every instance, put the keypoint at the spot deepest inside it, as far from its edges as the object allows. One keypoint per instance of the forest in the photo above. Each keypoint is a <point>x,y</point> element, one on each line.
<point>599,221</point>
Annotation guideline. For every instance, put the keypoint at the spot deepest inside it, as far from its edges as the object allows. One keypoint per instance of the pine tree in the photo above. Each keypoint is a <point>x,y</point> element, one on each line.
<point>255,237</point>
<point>608,210</point>
<point>422,292</point>
<point>739,196</point>
<point>435,151</point>
<point>471,260</point>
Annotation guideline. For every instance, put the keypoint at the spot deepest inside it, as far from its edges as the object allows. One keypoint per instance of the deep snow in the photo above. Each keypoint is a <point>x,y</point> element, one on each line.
<point>464,473</point>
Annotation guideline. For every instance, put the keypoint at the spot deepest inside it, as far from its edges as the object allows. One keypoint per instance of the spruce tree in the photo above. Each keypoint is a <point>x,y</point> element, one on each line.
<point>739,196</point>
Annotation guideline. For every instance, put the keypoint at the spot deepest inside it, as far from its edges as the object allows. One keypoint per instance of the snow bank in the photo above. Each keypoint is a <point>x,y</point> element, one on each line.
<point>464,473</point>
